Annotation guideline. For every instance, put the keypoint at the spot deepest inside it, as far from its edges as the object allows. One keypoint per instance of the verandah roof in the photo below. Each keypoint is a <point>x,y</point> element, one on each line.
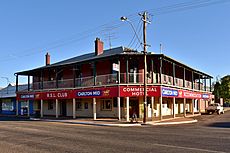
<point>119,51</point>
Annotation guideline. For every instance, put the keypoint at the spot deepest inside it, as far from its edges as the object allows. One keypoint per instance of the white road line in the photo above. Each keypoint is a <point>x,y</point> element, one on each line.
<point>188,148</point>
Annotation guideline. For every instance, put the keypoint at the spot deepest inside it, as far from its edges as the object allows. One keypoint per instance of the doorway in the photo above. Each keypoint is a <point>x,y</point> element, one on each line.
<point>134,107</point>
<point>63,108</point>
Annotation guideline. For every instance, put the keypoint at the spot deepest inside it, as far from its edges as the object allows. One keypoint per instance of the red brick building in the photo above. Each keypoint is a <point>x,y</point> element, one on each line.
<point>109,83</point>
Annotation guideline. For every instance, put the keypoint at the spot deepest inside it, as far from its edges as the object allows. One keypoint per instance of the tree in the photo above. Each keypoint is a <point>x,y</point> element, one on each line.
<point>222,88</point>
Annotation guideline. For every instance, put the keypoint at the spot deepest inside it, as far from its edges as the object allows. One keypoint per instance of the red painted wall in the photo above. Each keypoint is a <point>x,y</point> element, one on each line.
<point>68,73</point>
<point>104,67</point>
<point>87,70</point>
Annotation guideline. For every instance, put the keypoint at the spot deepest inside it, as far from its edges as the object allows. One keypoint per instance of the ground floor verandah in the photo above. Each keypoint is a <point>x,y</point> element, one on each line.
<point>118,107</point>
<point>120,102</point>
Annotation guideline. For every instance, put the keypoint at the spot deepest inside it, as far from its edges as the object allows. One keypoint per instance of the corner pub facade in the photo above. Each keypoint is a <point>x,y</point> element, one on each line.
<point>109,84</point>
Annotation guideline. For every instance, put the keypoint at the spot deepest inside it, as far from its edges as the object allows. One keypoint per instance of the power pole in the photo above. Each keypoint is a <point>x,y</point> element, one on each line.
<point>144,19</point>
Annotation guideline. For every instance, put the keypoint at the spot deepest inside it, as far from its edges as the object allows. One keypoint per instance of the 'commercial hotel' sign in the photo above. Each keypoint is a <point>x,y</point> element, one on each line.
<point>138,91</point>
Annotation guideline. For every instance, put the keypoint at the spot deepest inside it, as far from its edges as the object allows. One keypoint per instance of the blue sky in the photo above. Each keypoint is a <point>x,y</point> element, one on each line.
<point>198,37</point>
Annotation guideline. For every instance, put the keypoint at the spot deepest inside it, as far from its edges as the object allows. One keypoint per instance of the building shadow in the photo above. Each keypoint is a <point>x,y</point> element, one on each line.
<point>220,125</point>
<point>13,118</point>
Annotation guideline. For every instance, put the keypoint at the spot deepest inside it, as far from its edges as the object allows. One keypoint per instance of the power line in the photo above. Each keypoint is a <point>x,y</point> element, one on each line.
<point>134,36</point>
<point>186,6</point>
<point>85,34</point>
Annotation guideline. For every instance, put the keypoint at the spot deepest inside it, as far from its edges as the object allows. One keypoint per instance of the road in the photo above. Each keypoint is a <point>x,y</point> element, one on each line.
<point>211,134</point>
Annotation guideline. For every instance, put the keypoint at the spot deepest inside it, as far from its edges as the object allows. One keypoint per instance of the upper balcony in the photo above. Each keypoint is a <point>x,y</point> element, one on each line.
<point>113,79</point>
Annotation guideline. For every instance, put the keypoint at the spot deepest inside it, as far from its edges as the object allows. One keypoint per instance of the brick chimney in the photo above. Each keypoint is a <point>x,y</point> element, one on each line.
<point>99,47</point>
<point>47,59</point>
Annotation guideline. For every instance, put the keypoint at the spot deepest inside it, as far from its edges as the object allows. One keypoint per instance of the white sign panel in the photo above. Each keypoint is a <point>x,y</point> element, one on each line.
<point>115,67</point>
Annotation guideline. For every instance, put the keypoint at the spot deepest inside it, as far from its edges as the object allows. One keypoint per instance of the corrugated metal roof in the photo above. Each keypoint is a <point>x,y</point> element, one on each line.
<point>107,53</point>
<point>85,57</point>
<point>10,90</point>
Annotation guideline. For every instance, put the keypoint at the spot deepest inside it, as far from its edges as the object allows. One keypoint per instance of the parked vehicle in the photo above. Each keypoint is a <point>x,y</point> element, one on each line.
<point>226,104</point>
<point>215,107</point>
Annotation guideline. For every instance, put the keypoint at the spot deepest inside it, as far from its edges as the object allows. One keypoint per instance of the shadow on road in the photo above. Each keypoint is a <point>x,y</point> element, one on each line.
<point>13,118</point>
<point>220,125</point>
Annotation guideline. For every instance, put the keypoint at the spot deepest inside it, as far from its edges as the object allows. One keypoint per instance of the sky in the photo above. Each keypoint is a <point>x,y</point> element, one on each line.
<point>198,37</point>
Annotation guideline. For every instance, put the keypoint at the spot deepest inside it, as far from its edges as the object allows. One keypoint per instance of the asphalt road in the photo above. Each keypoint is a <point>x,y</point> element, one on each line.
<point>211,134</point>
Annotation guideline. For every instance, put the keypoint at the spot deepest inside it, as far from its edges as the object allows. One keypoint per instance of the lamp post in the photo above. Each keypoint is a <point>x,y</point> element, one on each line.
<point>123,18</point>
<point>144,19</point>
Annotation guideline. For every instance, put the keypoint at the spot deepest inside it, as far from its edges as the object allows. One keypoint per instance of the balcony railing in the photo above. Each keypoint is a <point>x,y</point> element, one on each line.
<point>130,78</point>
<point>65,83</point>
<point>106,79</point>
<point>84,81</point>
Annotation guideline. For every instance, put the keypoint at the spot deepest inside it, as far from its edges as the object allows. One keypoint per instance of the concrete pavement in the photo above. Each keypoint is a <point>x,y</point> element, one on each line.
<point>122,123</point>
<point>115,122</point>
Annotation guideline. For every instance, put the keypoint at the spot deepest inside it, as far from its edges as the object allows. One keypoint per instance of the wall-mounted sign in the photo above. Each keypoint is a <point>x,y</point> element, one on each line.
<point>189,94</point>
<point>63,94</point>
<point>28,96</point>
<point>97,92</point>
<point>132,91</point>
<point>115,67</point>
<point>88,93</point>
<point>205,96</point>
<point>169,92</point>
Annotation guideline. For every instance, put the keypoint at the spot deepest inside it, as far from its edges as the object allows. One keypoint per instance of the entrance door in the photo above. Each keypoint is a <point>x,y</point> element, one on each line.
<point>133,107</point>
<point>196,108</point>
<point>63,108</point>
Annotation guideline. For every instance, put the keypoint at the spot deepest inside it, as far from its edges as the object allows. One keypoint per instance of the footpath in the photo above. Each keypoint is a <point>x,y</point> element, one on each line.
<point>117,123</point>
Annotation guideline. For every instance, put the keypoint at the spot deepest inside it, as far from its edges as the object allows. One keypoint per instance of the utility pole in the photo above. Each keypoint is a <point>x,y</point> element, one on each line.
<point>144,19</point>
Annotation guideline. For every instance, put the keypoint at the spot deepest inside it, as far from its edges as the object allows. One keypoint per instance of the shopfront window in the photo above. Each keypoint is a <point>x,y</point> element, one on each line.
<point>7,105</point>
<point>106,104</point>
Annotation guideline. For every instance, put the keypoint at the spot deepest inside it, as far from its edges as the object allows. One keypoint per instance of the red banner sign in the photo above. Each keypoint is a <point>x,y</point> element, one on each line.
<point>168,92</point>
<point>189,94</point>
<point>65,94</point>
<point>122,91</point>
<point>137,91</point>
<point>70,94</point>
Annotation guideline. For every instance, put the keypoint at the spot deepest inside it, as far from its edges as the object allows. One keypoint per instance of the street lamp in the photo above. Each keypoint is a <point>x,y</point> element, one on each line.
<point>144,19</point>
<point>123,18</point>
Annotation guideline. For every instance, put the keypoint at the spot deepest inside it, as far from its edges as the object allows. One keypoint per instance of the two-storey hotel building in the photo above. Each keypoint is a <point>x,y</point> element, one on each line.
<point>110,83</point>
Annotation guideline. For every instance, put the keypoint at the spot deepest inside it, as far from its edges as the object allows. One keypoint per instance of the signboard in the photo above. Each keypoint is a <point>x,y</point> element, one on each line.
<point>115,67</point>
<point>25,96</point>
<point>97,92</point>
<point>63,94</point>
<point>189,94</point>
<point>205,96</point>
<point>166,92</point>
<point>122,91</point>
<point>67,94</point>
<point>89,93</point>
<point>137,91</point>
